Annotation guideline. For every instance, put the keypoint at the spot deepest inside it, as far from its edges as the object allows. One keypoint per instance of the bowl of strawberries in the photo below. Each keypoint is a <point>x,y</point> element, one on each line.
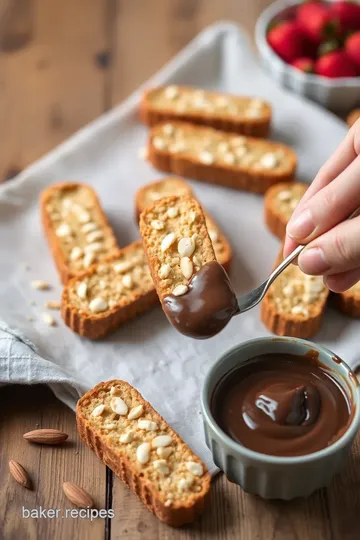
<point>313,48</point>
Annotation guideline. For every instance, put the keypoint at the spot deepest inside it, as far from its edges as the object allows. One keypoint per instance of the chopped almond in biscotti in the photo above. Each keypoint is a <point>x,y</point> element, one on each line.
<point>76,228</point>
<point>176,242</point>
<point>294,304</point>
<point>149,193</point>
<point>279,203</point>
<point>349,301</point>
<point>131,438</point>
<point>217,157</point>
<point>239,114</point>
<point>109,294</point>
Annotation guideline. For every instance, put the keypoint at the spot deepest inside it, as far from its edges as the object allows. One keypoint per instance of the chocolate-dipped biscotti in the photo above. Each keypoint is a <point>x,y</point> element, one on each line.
<point>76,228</point>
<point>294,304</point>
<point>100,300</point>
<point>194,289</point>
<point>148,194</point>
<point>131,438</point>
<point>217,157</point>
<point>243,115</point>
<point>279,203</point>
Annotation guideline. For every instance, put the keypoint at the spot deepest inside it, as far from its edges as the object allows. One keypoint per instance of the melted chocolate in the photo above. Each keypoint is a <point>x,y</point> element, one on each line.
<point>281,404</point>
<point>206,308</point>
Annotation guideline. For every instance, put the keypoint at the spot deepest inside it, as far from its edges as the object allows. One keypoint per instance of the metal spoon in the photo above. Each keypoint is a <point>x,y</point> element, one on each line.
<point>252,298</point>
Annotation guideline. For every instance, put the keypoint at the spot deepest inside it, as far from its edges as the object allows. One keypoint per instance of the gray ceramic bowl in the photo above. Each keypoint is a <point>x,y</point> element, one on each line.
<point>271,476</point>
<point>339,95</point>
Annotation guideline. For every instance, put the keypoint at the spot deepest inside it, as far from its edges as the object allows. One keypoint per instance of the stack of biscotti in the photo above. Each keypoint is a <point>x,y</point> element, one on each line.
<point>218,157</point>
<point>294,304</point>
<point>76,228</point>
<point>243,115</point>
<point>131,438</point>
<point>176,242</point>
<point>148,194</point>
<point>279,203</point>
<point>349,301</point>
<point>109,294</point>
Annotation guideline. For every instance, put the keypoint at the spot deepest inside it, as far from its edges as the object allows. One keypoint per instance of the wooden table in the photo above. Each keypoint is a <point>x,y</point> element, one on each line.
<point>63,63</point>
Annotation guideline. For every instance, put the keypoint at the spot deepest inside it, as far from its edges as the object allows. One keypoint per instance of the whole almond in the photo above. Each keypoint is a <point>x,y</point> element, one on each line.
<point>46,436</point>
<point>18,472</point>
<point>77,495</point>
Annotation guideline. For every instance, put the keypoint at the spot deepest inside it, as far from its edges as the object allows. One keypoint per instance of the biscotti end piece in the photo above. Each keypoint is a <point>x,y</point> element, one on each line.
<point>149,193</point>
<point>238,114</point>
<point>353,117</point>
<point>176,242</point>
<point>76,228</point>
<point>349,301</point>
<point>131,438</point>
<point>279,203</point>
<point>217,157</point>
<point>295,303</point>
<point>109,294</point>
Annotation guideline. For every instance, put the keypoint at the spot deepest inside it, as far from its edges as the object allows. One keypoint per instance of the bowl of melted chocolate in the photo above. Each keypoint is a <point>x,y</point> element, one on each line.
<point>280,415</point>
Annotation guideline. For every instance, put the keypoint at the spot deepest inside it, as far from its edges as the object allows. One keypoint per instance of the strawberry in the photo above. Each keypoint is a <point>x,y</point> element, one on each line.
<point>317,21</point>
<point>352,48</point>
<point>287,40</point>
<point>304,64</point>
<point>347,13</point>
<point>335,64</point>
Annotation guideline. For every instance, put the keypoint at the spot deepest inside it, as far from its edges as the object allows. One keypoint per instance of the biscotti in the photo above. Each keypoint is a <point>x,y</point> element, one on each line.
<point>176,242</point>
<point>243,115</point>
<point>349,301</point>
<point>217,157</point>
<point>131,438</point>
<point>149,193</point>
<point>294,304</point>
<point>76,228</point>
<point>109,294</point>
<point>279,203</point>
<point>353,117</point>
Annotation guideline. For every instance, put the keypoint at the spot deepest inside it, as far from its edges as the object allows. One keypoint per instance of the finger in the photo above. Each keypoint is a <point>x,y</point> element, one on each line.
<point>342,282</point>
<point>334,252</point>
<point>343,156</point>
<point>331,205</point>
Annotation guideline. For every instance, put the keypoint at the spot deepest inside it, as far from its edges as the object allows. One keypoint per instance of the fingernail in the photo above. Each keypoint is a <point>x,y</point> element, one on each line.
<point>302,226</point>
<point>312,261</point>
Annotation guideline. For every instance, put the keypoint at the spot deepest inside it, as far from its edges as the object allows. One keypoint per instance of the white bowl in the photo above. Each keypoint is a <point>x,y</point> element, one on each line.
<point>339,95</point>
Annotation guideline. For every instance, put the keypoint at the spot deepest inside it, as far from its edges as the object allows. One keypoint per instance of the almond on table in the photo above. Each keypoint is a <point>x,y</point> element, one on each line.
<point>294,304</point>
<point>131,438</point>
<point>76,228</point>
<point>109,294</point>
<point>217,157</point>
<point>149,193</point>
<point>279,203</point>
<point>239,114</point>
<point>194,289</point>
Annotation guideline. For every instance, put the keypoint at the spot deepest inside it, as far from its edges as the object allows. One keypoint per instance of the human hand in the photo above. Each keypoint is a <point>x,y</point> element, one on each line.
<point>332,244</point>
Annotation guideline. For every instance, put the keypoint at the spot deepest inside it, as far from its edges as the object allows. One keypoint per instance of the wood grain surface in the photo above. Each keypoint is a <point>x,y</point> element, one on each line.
<point>62,63</point>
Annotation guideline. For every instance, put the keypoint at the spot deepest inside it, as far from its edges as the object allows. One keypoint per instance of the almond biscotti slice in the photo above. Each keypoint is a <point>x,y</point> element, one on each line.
<point>238,114</point>
<point>176,242</point>
<point>109,294</point>
<point>76,228</point>
<point>149,193</point>
<point>279,203</point>
<point>217,157</point>
<point>349,301</point>
<point>138,445</point>
<point>295,303</point>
